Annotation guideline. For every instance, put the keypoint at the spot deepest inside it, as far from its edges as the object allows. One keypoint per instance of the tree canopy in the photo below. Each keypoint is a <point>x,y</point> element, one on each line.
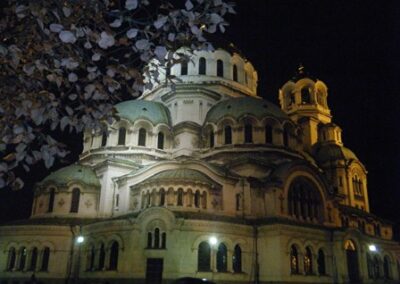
<point>64,64</point>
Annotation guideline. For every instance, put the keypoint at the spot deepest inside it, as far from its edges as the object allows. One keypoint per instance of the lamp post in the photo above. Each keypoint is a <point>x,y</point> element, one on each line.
<point>79,240</point>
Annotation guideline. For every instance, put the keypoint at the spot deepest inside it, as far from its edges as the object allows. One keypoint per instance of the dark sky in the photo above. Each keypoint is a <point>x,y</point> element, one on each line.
<point>350,45</point>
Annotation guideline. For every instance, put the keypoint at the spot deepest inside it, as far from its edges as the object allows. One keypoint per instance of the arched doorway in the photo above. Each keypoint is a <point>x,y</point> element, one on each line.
<point>352,261</point>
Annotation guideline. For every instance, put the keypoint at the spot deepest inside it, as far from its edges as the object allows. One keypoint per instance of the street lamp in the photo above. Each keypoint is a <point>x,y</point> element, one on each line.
<point>80,239</point>
<point>372,248</point>
<point>213,240</point>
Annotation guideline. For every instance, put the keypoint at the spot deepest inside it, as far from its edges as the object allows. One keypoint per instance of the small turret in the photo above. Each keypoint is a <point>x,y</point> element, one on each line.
<point>304,99</point>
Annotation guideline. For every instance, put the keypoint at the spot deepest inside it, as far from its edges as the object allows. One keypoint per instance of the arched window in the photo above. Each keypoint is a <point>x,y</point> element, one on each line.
<point>248,133</point>
<point>45,259</point>
<point>294,260</point>
<point>121,136</point>
<point>220,68</point>
<point>321,262</point>
<point>91,258</point>
<point>352,261</point>
<point>197,199</point>
<point>377,269</point>
<point>76,195</point>
<point>228,135</point>
<point>211,139</point>
<point>160,140</point>
<point>268,134</point>
<point>286,137</point>
<point>103,139</point>
<point>163,240</point>
<point>102,257</point>
<point>370,267</point>
<point>180,197</point>
<point>235,73</point>
<point>308,261</point>
<point>22,258</point>
<point>162,197</point>
<point>304,200</point>
<point>204,257</point>
<point>51,200</point>
<point>142,137</point>
<point>33,261</point>
<point>386,267</point>
<point>237,259</point>
<point>305,96</point>
<point>204,200</point>
<point>149,240</point>
<point>12,256</point>
<point>222,258</point>
<point>157,238</point>
<point>184,68</point>
<point>202,66</point>
<point>114,256</point>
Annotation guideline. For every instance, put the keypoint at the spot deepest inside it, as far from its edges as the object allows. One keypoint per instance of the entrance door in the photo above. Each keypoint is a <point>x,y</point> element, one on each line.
<point>154,271</point>
<point>352,262</point>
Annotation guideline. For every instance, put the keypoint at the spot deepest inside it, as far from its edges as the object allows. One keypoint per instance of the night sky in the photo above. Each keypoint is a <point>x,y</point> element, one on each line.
<point>353,46</point>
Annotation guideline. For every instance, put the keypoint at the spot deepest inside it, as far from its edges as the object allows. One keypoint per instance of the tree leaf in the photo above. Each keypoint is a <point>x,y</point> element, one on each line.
<point>131,4</point>
<point>56,28</point>
<point>160,22</point>
<point>106,40</point>
<point>142,44</point>
<point>132,33</point>
<point>188,5</point>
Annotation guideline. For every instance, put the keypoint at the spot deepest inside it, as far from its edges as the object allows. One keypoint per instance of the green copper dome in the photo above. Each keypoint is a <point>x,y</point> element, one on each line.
<point>333,152</point>
<point>73,173</point>
<point>139,109</point>
<point>182,174</point>
<point>239,107</point>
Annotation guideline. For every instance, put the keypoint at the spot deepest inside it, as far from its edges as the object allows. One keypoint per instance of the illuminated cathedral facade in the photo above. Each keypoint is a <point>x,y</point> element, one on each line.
<point>203,178</point>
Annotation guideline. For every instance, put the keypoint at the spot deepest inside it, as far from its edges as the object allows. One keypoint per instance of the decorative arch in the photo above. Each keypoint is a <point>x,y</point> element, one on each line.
<point>304,200</point>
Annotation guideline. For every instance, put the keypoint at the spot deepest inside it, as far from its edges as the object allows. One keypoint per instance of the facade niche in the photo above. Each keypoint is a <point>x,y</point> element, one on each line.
<point>227,135</point>
<point>122,136</point>
<point>142,137</point>
<point>204,257</point>
<point>22,258</point>
<point>268,134</point>
<point>308,262</point>
<point>51,200</point>
<point>248,133</point>
<point>160,141</point>
<point>76,193</point>
<point>12,257</point>
<point>114,250</point>
<point>102,257</point>
<point>45,259</point>
<point>103,139</point>
<point>305,96</point>
<point>222,258</point>
<point>294,260</point>
<point>237,259</point>
<point>220,68</point>
<point>235,73</point>
<point>321,262</point>
<point>202,66</point>
<point>184,68</point>
<point>33,260</point>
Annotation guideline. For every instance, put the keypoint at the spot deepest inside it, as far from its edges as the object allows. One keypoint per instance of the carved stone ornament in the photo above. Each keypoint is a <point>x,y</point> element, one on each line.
<point>61,202</point>
<point>88,203</point>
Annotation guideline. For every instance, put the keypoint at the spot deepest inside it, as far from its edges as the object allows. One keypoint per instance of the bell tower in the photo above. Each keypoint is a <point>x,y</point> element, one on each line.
<point>304,99</point>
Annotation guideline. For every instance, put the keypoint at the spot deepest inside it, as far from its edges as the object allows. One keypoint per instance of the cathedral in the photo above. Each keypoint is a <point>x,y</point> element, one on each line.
<point>203,178</point>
